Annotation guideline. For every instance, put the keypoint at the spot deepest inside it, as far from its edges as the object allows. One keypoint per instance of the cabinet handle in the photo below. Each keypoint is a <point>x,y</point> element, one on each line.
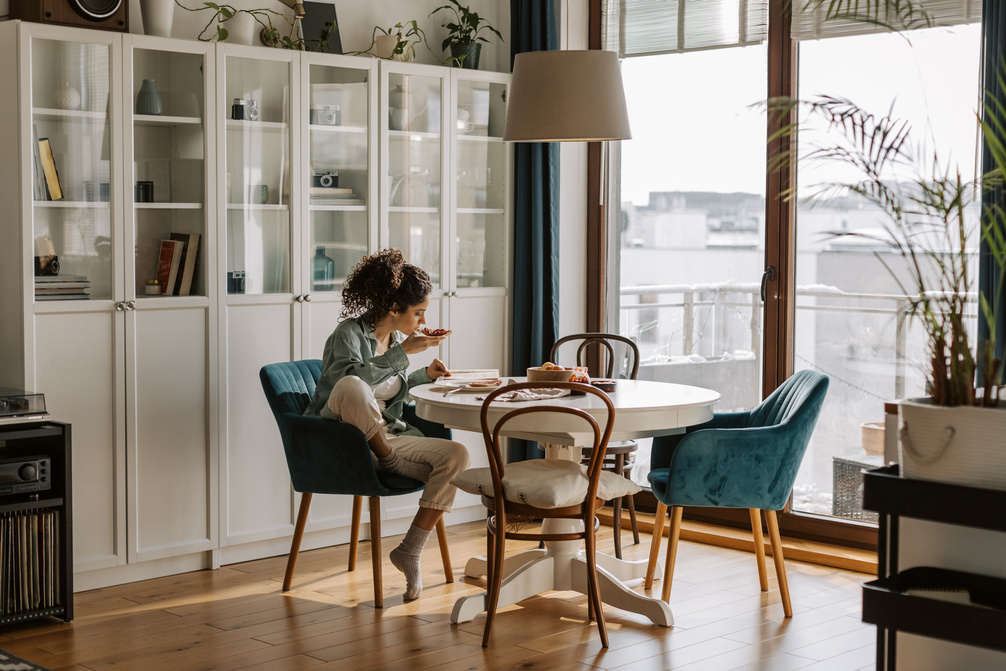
<point>120,306</point>
<point>447,293</point>
<point>307,298</point>
<point>131,305</point>
<point>299,299</point>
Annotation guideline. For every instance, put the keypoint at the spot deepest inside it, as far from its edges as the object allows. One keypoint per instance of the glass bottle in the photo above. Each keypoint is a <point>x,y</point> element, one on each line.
<point>324,271</point>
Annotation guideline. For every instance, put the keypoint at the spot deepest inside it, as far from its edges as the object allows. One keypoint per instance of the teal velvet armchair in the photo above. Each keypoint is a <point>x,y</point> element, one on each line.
<point>330,457</point>
<point>737,460</point>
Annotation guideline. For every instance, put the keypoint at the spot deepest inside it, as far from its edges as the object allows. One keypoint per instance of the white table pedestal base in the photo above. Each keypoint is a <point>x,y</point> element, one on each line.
<point>562,566</point>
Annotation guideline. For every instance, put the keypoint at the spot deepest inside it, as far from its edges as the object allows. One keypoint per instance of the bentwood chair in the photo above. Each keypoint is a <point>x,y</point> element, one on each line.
<point>326,456</point>
<point>737,460</point>
<point>546,489</point>
<point>609,355</point>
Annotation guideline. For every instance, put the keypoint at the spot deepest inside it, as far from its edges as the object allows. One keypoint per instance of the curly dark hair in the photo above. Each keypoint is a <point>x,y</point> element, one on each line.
<point>381,283</point>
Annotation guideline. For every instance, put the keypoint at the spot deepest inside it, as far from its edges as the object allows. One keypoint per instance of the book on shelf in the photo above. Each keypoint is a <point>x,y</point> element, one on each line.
<point>37,189</point>
<point>59,280</point>
<point>167,264</point>
<point>328,192</point>
<point>62,297</point>
<point>187,264</point>
<point>60,290</point>
<point>49,168</point>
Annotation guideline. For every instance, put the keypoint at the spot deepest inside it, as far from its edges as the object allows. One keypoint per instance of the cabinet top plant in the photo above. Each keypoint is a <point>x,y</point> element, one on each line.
<point>463,31</point>
<point>931,214</point>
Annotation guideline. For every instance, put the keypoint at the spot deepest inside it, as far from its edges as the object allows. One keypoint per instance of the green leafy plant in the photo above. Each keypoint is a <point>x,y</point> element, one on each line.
<point>932,214</point>
<point>409,35</point>
<point>216,30</point>
<point>463,30</point>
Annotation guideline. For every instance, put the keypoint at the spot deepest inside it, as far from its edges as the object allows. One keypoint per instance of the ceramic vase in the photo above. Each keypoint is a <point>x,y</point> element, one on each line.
<point>242,28</point>
<point>386,45</point>
<point>67,97</point>
<point>467,55</point>
<point>148,100</point>
<point>157,15</point>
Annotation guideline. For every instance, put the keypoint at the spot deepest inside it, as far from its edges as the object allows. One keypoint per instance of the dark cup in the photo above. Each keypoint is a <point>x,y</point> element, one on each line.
<point>144,192</point>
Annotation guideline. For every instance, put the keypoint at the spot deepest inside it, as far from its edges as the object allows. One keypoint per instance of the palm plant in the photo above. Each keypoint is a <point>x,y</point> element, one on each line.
<point>932,214</point>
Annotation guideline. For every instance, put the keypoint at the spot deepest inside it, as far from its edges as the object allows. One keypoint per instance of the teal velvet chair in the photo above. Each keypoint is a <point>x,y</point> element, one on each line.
<point>330,457</point>
<point>737,460</point>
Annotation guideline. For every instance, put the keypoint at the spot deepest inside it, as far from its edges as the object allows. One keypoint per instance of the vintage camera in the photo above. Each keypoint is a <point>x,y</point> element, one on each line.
<point>238,109</point>
<point>326,179</point>
<point>326,115</point>
<point>252,112</point>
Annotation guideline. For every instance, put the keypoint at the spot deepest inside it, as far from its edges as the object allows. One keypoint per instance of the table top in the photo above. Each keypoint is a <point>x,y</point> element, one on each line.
<point>643,408</point>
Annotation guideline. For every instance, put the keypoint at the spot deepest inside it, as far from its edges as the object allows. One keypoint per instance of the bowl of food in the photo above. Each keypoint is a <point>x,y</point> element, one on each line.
<point>549,372</point>
<point>607,386</point>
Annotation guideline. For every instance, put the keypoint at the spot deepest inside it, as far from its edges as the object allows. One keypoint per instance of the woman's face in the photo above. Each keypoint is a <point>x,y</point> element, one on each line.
<point>412,318</point>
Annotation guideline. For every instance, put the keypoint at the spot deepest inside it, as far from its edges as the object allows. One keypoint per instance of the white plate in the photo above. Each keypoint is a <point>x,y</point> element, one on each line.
<point>463,387</point>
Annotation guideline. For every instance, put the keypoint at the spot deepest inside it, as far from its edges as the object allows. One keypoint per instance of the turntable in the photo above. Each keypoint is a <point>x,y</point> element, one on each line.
<point>21,406</point>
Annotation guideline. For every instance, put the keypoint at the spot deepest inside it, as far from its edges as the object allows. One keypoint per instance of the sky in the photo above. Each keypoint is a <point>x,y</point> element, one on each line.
<point>695,129</point>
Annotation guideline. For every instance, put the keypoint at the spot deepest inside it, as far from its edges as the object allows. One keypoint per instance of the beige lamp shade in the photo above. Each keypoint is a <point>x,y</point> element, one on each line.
<point>566,96</point>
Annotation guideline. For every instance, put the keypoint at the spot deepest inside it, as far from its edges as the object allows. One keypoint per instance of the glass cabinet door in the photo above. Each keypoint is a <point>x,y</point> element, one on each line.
<point>413,116</point>
<point>168,189</point>
<point>71,184</point>
<point>339,191</point>
<point>481,174</point>
<point>257,180</point>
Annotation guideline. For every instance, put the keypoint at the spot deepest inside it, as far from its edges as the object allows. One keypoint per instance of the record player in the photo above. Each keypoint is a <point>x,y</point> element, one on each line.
<point>21,406</point>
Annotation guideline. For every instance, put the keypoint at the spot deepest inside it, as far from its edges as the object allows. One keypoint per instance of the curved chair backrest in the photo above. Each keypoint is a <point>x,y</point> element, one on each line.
<point>491,434</point>
<point>800,396</point>
<point>613,348</point>
<point>324,456</point>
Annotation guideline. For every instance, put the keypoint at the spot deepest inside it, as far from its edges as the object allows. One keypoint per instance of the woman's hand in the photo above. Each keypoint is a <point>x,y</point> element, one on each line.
<point>436,369</point>
<point>420,342</point>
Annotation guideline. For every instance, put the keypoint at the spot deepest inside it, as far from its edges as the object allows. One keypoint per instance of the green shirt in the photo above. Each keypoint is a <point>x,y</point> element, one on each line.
<point>352,350</point>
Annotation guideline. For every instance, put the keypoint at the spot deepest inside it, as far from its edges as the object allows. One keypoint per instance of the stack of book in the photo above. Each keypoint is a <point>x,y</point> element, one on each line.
<point>62,288</point>
<point>176,264</point>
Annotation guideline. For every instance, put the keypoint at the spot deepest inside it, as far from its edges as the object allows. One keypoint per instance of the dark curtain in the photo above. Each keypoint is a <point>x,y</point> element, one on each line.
<point>990,276</point>
<point>535,316</point>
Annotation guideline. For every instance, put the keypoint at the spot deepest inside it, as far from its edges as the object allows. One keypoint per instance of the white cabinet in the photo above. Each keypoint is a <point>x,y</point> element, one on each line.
<point>130,372</point>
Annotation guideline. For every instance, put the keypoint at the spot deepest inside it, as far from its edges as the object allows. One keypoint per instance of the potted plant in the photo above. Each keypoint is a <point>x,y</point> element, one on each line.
<point>397,42</point>
<point>463,37</point>
<point>219,27</point>
<point>932,219</point>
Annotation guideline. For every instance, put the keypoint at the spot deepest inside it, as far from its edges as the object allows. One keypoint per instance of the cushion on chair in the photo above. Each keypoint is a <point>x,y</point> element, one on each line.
<point>545,483</point>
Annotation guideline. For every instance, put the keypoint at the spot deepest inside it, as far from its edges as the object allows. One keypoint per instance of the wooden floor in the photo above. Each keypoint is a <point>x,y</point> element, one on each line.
<point>237,618</point>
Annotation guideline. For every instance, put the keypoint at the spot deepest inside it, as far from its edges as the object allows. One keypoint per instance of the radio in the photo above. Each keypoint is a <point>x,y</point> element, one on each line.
<point>25,474</point>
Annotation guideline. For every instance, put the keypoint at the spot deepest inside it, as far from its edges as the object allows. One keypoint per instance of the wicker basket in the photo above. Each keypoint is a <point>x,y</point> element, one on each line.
<point>847,487</point>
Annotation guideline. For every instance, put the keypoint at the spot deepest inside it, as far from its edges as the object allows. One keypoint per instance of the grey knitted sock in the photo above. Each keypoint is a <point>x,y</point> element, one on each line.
<point>410,469</point>
<point>406,559</point>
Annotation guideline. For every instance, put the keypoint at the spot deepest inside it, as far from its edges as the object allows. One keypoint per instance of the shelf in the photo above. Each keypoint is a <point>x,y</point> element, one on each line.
<point>413,135</point>
<point>480,210</point>
<point>158,120</point>
<point>413,210</point>
<point>243,126</point>
<point>169,206</point>
<point>942,612</point>
<point>49,114</point>
<point>479,138</point>
<point>78,204</point>
<point>318,207</point>
<point>885,491</point>
<point>325,128</point>
<point>238,207</point>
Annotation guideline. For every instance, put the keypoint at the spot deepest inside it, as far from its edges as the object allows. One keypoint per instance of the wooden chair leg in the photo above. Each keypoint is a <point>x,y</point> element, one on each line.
<point>658,533</point>
<point>375,549</point>
<point>490,552</point>
<point>672,551</point>
<point>630,501</point>
<point>298,535</point>
<point>593,589</point>
<point>494,587</point>
<point>780,565</point>
<point>616,509</point>
<point>759,543</point>
<point>354,532</point>
<point>445,552</point>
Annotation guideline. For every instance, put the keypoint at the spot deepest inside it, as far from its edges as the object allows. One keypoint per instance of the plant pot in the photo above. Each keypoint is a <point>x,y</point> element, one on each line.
<point>386,45</point>
<point>961,445</point>
<point>242,28</point>
<point>157,16</point>
<point>466,56</point>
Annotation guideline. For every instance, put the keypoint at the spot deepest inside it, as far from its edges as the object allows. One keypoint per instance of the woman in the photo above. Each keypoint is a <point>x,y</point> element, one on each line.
<point>364,383</point>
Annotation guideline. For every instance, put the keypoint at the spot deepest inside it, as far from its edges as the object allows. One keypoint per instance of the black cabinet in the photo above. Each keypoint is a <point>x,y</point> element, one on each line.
<point>940,603</point>
<point>36,552</point>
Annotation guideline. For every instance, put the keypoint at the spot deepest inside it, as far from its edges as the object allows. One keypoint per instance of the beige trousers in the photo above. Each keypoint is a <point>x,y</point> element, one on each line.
<point>352,401</point>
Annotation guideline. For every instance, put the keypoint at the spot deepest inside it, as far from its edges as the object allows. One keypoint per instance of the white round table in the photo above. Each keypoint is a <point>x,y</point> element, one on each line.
<point>642,409</point>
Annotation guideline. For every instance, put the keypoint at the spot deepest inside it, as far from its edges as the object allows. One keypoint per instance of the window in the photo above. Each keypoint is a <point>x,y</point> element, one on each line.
<point>687,246</point>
